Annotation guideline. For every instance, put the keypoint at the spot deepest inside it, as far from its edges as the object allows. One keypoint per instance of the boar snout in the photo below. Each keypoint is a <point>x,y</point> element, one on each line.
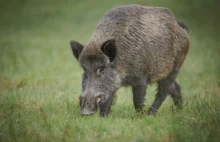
<point>89,102</point>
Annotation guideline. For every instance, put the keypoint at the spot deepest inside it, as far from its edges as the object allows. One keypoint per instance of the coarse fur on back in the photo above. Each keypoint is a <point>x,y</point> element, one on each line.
<point>148,39</point>
<point>132,45</point>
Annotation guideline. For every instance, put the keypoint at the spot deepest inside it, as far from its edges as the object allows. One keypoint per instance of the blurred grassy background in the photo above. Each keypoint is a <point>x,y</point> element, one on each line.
<point>40,79</point>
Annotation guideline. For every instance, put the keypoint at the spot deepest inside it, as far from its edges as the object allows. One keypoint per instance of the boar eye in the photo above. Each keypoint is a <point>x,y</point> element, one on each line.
<point>100,71</point>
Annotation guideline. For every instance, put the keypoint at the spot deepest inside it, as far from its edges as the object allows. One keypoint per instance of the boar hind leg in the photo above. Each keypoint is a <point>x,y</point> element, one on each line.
<point>163,90</point>
<point>139,92</point>
<point>175,93</point>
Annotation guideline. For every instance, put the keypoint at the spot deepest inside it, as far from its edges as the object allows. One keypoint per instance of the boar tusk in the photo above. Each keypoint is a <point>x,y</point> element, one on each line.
<point>98,100</point>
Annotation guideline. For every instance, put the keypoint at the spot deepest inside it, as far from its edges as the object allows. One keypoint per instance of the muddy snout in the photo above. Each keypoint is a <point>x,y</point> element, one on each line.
<point>89,102</point>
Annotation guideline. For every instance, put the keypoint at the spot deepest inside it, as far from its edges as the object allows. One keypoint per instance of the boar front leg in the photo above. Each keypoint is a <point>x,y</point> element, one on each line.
<point>139,92</point>
<point>106,107</point>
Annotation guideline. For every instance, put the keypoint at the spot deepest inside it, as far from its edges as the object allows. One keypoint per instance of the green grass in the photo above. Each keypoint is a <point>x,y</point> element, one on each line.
<point>40,79</point>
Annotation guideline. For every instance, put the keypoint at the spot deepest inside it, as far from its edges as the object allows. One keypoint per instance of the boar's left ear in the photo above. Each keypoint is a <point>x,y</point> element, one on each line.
<point>76,48</point>
<point>109,49</point>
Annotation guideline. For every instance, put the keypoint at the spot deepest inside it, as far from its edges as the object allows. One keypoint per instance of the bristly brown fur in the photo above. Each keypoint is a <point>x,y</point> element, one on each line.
<point>148,38</point>
<point>144,45</point>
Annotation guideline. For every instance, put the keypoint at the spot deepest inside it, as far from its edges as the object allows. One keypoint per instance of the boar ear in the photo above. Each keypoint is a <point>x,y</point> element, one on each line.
<point>76,48</point>
<point>109,49</point>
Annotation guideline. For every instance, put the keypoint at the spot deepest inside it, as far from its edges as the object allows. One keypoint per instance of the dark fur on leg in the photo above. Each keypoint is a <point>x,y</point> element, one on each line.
<point>175,92</point>
<point>106,107</point>
<point>139,92</point>
<point>163,90</point>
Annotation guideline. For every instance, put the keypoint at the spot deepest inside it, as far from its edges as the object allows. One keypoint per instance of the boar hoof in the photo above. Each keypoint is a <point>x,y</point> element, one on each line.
<point>103,115</point>
<point>152,111</point>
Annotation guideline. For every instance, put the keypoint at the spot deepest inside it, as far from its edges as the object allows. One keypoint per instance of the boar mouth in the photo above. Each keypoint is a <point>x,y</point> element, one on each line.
<point>89,104</point>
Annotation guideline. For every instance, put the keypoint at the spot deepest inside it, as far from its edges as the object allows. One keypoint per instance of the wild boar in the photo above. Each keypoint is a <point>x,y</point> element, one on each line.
<point>133,46</point>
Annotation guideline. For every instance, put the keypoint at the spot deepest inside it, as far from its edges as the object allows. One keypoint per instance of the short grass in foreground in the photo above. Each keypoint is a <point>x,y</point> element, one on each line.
<point>40,81</point>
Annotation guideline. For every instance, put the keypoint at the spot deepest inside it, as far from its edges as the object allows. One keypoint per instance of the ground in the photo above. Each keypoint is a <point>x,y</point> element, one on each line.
<point>40,80</point>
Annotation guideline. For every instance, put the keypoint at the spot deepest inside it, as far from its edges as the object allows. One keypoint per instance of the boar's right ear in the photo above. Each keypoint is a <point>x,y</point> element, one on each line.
<point>109,49</point>
<point>76,48</point>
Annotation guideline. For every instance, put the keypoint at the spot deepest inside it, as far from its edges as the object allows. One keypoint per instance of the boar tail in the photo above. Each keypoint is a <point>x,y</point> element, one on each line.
<point>183,25</point>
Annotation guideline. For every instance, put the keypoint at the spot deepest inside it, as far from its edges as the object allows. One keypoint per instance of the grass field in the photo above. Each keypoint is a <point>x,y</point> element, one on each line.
<point>40,79</point>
